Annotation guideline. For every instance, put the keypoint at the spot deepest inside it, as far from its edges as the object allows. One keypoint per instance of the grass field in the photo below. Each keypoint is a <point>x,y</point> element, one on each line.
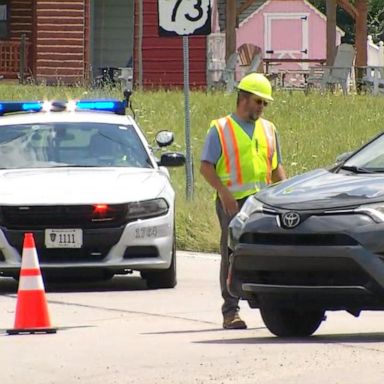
<point>313,130</point>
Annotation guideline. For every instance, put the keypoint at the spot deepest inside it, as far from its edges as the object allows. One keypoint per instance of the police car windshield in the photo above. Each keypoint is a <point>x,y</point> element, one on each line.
<point>71,144</point>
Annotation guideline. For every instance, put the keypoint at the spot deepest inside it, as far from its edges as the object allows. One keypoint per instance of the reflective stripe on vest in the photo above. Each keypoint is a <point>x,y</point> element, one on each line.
<point>247,172</point>
<point>230,151</point>
<point>271,145</point>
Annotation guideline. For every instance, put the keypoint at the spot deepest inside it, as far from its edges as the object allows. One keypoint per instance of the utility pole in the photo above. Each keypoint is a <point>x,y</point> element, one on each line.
<point>359,12</point>
<point>361,32</point>
<point>230,28</point>
<point>331,31</point>
<point>140,44</point>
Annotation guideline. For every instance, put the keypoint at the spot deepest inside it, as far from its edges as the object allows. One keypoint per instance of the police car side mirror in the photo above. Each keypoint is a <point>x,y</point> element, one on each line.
<point>171,159</point>
<point>164,138</point>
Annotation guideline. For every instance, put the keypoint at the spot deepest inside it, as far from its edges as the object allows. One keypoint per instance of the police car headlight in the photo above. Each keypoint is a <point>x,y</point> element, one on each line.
<point>147,209</point>
<point>236,226</point>
<point>375,211</point>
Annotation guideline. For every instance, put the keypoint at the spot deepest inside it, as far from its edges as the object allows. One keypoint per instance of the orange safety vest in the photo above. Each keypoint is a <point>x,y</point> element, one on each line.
<point>246,164</point>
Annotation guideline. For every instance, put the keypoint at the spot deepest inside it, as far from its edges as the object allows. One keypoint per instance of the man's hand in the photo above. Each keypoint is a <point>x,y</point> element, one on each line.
<point>228,202</point>
<point>230,205</point>
<point>279,174</point>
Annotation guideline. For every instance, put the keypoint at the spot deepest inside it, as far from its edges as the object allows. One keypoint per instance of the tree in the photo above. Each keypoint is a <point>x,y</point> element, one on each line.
<point>357,10</point>
<point>376,20</point>
<point>347,23</point>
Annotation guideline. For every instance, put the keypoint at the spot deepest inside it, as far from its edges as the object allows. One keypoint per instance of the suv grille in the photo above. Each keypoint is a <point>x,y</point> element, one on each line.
<point>297,239</point>
<point>309,278</point>
<point>85,216</point>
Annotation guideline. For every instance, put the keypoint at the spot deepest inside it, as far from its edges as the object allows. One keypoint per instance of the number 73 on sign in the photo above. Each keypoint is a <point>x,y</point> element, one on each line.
<point>184,17</point>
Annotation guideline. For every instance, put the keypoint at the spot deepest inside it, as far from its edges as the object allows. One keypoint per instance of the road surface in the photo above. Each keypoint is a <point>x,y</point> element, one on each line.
<point>121,332</point>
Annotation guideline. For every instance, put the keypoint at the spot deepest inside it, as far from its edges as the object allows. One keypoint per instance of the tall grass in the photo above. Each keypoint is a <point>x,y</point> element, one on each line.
<point>313,130</point>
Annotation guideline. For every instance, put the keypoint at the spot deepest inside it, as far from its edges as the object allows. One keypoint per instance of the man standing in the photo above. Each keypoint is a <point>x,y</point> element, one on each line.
<point>241,155</point>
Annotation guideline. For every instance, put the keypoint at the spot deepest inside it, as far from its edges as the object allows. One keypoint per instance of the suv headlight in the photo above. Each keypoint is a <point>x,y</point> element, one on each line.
<point>375,211</point>
<point>147,209</point>
<point>236,226</point>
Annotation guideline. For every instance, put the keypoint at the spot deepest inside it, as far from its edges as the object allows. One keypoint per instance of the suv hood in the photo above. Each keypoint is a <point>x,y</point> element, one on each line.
<point>55,186</point>
<point>322,189</point>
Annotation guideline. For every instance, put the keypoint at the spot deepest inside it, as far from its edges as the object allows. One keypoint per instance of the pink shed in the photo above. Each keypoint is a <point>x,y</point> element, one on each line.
<point>287,28</point>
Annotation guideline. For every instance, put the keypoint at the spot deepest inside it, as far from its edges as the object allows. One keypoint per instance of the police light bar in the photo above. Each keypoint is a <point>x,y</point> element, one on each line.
<point>115,106</point>
<point>19,106</point>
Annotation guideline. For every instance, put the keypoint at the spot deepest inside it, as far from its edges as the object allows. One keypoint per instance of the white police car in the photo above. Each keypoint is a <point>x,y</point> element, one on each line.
<point>82,178</point>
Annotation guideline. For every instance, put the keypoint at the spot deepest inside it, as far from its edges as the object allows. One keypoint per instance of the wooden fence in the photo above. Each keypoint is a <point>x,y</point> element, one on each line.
<point>10,58</point>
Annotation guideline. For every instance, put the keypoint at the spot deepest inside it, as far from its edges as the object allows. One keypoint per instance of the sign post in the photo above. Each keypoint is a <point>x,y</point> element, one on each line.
<point>189,157</point>
<point>185,18</point>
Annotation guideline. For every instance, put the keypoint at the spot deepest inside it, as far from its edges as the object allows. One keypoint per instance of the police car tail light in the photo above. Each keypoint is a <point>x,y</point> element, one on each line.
<point>100,209</point>
<point>102,213</point>
<point>106,213</point>
<point>147,209</point>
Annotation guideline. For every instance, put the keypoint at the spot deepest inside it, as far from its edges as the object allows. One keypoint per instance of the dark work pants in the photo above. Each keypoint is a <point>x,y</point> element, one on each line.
<point>231,304</point>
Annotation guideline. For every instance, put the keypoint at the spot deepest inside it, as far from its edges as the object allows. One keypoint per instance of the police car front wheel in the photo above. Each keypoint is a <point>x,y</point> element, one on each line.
<point>162,278</point>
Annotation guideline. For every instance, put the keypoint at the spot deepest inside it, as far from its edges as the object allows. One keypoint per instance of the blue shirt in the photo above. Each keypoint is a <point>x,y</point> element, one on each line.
<point>212,146</point>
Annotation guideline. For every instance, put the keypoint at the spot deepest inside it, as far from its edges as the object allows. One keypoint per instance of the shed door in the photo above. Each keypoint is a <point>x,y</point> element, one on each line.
<point>287,38</point>
<point>112,33</point>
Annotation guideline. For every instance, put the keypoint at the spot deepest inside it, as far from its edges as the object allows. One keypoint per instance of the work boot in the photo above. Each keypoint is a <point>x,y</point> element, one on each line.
<point>233,321</point>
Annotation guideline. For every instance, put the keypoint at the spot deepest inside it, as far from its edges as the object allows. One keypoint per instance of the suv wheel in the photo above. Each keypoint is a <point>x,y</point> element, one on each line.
<point>287,322</point>
<point>163,278</point>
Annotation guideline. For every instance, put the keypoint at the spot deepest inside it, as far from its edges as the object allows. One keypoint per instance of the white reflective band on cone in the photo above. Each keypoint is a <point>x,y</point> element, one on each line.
<point>31,283</point>
<point>29,259</point>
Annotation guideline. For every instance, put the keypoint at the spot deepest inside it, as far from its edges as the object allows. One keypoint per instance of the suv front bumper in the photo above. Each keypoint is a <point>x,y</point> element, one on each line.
<point>328,262</point>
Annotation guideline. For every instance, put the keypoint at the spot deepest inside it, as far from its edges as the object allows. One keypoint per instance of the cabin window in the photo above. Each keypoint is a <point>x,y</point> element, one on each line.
<point>4,19</point>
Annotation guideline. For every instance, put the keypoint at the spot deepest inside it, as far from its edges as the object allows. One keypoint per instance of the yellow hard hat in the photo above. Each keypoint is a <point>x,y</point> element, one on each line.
<point>257,84</point>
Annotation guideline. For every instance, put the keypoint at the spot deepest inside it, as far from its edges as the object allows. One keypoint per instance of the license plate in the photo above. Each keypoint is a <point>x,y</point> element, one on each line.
<point>63,238</point>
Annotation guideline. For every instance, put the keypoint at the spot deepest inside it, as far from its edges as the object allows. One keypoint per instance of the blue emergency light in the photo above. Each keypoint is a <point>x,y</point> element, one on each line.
<point>32,106</point>
<point>18,106</point>
<point>115,106</point>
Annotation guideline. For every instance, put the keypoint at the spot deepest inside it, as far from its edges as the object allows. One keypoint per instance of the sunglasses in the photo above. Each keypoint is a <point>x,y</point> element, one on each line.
<point>260,102</point>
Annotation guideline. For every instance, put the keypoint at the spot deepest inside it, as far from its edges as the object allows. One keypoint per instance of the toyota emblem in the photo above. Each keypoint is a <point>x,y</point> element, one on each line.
<point>291,219</point>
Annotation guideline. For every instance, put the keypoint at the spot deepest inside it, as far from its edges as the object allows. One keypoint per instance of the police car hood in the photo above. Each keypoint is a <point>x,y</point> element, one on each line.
<point>55,186</point>
<point>322,189</point>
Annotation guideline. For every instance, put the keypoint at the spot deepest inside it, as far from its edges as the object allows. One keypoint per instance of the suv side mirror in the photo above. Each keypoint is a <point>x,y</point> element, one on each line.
<point>172,159</point>
<point>164,138</point>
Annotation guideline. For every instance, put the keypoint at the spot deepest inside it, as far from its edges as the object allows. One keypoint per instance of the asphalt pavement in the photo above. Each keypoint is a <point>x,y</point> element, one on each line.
<point>121,332</point>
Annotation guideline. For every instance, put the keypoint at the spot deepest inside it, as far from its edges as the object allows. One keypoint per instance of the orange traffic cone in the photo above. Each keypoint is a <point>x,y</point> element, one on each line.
<point>31,310</point>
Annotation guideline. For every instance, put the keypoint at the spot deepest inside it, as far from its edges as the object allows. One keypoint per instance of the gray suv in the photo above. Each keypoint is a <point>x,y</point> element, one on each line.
<point>313,243</point>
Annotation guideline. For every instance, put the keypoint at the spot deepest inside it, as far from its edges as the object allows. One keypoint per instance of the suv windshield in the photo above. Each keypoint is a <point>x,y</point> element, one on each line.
<point>71,144</point>
<point>369,159</point>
